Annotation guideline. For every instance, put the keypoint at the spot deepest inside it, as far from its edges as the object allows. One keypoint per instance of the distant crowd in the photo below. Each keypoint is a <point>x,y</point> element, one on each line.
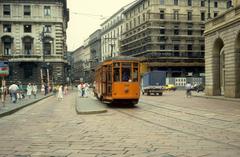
<point>17,91</point>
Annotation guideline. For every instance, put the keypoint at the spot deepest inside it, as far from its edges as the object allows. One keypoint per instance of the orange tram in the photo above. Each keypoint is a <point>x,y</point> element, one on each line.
<point>117,80</point>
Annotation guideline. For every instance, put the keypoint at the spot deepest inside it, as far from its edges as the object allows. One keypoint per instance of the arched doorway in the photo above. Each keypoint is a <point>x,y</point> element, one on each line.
<point>219,67</point>
<point>47,45</point>
<point>27,45</point>
<point>7,45</point>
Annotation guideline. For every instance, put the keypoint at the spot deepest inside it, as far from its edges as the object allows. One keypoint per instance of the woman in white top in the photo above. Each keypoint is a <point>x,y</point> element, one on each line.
<point>34,90</point>
<point>29,90</point>
<point>60,93</point>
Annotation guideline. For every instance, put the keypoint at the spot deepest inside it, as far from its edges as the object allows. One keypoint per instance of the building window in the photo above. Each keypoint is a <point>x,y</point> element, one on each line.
<point>6,10</point>
<point>189,47</point>
<point>175,2</point>
<point>7,28</point>
<point>161,2</point>
<point>27,28</point>
<point>47,28</point>
<point>189,2</point>
<point>143,17</point>
<point>7,48</point>
<point>202,30</point>
<point>215,4</point>
<point>189,16</point>
<point>215,14</point>
<point>28,48</point>
<point>47,10</point>
<point>203,16</point>
<point>161,14</point>
<point>202,3</point>
<point>176,47</point>
<point>162,30</point>
<point>162,47</point>
<point>229,4</point>
<point>176,30</point>
<point>27,45</point>
<point>47,46</point>
<point>189,31</point>
<point>175,15</point>
<point>27,10</point>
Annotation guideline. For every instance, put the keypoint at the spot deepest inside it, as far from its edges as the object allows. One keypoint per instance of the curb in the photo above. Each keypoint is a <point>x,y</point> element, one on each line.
<point>86,112</point>
<point>209,97</point>
<point>21,107</point>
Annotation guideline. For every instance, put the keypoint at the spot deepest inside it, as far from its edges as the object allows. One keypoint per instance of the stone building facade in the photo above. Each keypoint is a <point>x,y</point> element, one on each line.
<point>81,63</point>
<point>168,34</point>
<point>222,56</point>
<point>77,66</point>
<point>33,39</point>
<point>95,52</point>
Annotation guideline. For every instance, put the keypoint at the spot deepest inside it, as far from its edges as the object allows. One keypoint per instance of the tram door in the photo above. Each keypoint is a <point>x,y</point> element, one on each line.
<point>109,80</point>
<point>104,81</point>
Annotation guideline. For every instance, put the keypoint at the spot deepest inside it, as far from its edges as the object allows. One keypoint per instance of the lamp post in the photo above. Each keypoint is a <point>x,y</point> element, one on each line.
<point>45,67</point>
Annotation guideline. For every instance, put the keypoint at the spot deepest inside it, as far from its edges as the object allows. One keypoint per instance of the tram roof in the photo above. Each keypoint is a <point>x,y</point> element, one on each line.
<point>120,58</point>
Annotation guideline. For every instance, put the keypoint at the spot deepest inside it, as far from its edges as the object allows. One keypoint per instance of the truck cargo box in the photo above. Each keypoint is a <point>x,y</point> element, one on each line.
<point>153,82</point>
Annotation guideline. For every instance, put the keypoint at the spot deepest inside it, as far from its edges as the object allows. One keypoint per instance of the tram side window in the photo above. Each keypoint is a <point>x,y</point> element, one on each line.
<point>116,72</point>
<point>126,72</point>
<point>135,72</point>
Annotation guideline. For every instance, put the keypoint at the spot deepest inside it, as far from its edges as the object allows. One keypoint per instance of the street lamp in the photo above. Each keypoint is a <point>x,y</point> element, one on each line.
<point>45,66</point>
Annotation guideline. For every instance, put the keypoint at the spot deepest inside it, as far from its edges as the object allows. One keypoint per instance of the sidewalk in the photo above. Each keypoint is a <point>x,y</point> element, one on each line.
<point>10,108</point>
<point>202,95</point>
<point>89,105</point>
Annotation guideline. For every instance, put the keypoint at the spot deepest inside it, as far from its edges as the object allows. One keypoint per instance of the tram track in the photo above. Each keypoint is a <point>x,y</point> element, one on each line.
<point>188,127</point>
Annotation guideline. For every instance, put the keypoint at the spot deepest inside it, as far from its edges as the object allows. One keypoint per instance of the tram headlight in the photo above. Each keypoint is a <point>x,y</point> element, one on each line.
<point>126,90</point>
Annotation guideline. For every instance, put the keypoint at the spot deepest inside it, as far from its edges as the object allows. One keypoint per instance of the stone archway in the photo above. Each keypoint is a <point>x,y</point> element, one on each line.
<point>237,53</point>
<point>219,67</point>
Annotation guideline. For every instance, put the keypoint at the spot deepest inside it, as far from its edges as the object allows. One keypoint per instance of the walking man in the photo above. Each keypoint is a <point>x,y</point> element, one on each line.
<point>13,91</point>
<point>188,89</point>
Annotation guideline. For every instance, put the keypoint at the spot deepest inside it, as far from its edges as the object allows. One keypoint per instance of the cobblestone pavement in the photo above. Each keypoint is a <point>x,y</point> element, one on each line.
<point>159,126</point>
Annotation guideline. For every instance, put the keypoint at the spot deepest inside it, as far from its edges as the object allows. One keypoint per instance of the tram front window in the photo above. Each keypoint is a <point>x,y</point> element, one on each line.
<point>126,72</point>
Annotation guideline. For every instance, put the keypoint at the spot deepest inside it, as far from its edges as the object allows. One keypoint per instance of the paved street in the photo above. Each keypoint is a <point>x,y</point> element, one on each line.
<point>167,126</point>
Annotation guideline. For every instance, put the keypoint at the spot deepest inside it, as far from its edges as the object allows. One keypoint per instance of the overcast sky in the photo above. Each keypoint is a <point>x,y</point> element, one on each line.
<point>86,16</point>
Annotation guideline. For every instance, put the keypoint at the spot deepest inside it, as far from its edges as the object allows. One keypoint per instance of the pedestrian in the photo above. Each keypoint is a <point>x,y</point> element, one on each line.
<point>80,89</point>
<point>46,89</point>
<point>83,89</point>
<point>188,88</point>
<point>3,94</point>
<point>55,90</point>
<point>43,89</point>
<point>86,89</point>
<point>29,90</point>
<point>65,89</point>
<point>34,90</point>
<point>60,93</point>
<point>13,89</point>
<point>20,91</point>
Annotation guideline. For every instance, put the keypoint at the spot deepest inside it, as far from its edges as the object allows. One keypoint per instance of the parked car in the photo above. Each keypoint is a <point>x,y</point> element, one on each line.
<point>198,87</point>
<point>170,87</point>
